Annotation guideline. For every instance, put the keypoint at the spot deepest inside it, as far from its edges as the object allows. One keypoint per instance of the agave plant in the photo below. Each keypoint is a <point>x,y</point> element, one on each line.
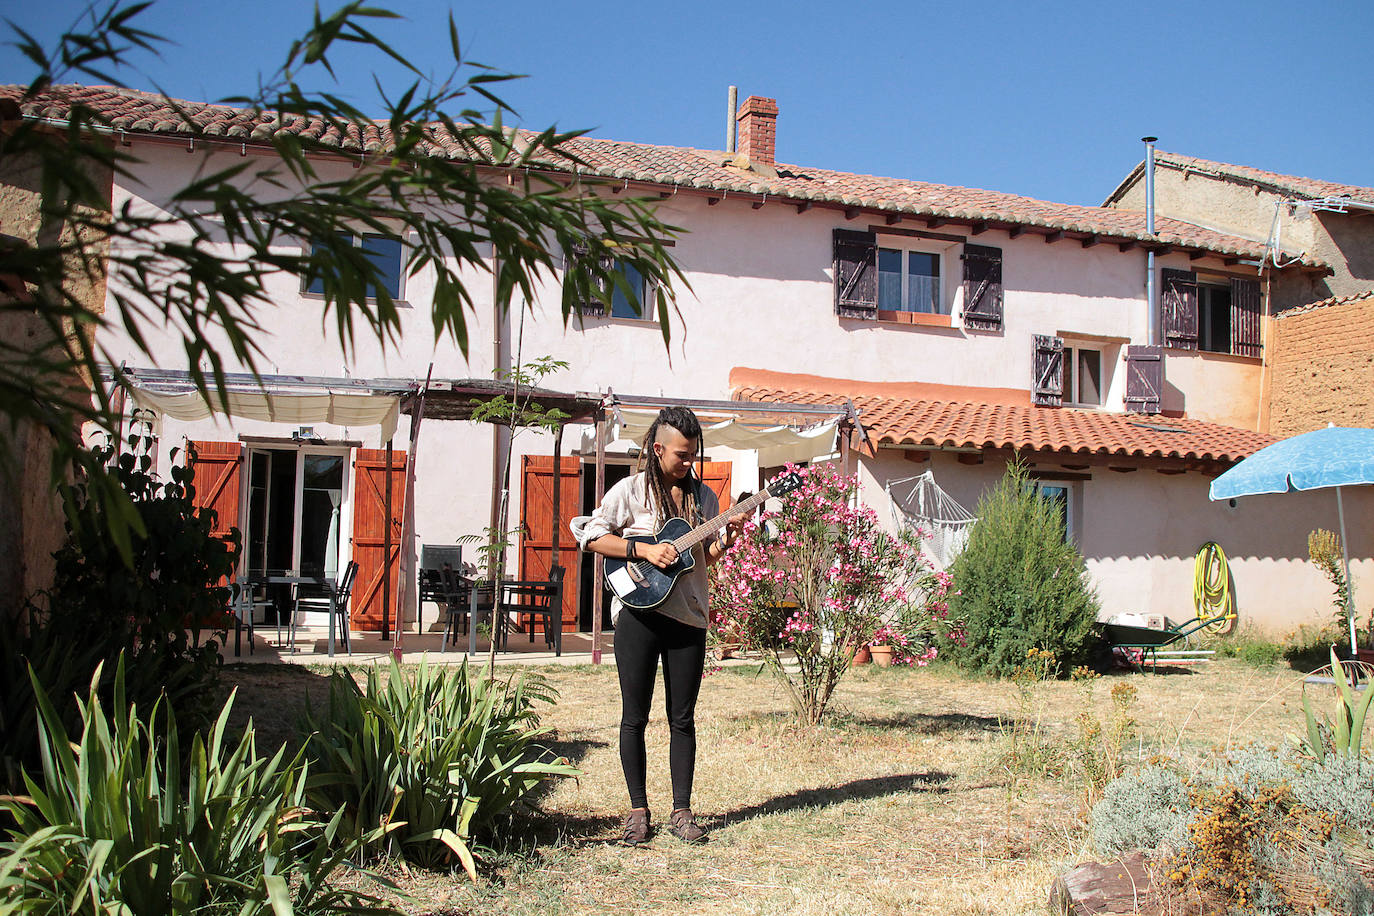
<point>1344,735</point>
<point>122,823</point>
<point>418,768</point>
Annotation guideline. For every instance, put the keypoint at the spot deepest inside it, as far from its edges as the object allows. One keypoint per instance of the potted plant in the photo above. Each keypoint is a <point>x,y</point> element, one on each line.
<point>862,656</point>
<point>883,654</point>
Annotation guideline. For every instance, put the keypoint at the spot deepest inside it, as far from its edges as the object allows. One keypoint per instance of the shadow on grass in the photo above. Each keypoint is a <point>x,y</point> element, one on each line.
<point>824,796</point>
<point>924,723</point>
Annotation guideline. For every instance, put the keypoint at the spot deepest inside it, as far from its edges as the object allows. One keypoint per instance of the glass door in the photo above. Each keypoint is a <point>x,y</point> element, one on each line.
<point>295,517</point>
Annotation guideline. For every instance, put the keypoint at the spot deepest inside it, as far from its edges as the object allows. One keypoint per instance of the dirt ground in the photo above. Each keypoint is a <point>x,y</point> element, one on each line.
<point>903,802</point>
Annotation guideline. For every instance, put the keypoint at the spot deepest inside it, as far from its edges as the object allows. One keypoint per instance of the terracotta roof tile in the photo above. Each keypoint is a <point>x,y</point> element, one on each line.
<point>678,167</point>
<point>1291,185</point>
<point>971,422</point>
<point>1324,303</point>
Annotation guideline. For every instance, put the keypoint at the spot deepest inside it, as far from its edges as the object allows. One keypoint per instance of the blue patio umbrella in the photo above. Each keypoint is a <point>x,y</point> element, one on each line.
<point>1338,456</point>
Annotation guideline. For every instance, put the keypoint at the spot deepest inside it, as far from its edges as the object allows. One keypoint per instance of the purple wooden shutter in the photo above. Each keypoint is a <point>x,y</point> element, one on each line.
<point>1245,318</point>
<point>856,274</point>
<point>577,267</point>
<point>1179,306</point>
<point>982,287</point>
<point>1144,379</point>
<point>1048,387</point>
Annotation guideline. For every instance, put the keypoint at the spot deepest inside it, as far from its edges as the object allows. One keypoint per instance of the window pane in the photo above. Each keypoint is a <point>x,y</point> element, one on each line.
<point>1070,393</point>
<point>924,265</point>
<point>621,307</point>
<point>385,253</point>
<point>316,285</point>
<point>320,502</point>
<point>1214,318</point>
<point>889,279</point>
<point>923,282</point>
<point>1089,377</point>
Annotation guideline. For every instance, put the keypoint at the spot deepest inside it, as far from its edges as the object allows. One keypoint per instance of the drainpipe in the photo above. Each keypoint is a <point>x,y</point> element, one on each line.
<point>1151,293</point>
<point>731,104</point>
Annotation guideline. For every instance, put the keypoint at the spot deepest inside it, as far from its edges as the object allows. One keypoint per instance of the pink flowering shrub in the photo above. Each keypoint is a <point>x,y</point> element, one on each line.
<point>807,585</point>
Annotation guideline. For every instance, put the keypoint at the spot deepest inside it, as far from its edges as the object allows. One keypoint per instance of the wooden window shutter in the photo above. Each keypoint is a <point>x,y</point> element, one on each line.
<point>1144,379</point>
<point>577,262</point>
<point>856,274</point>
<point>1048,387</point>
<point>1178,303</point>
<point>1245,318</point>
<point>983,287</point>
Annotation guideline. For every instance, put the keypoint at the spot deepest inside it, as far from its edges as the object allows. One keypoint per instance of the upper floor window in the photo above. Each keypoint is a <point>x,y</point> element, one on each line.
<point>1082,377</point>
<point>621,304</point>
<point>909,281</point>
<point>1220,315</point>
<point>387,256</point>
<point>1214,318</point>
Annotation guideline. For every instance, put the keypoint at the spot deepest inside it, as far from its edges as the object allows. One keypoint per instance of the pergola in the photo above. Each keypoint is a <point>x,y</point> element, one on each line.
<point>302,399</point>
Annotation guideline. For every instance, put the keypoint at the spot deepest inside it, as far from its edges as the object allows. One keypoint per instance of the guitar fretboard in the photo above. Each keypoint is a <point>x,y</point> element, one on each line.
<point>707,530</point>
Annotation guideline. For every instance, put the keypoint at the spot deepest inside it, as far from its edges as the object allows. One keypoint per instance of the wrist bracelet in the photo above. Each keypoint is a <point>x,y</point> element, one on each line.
<point>630,552</point>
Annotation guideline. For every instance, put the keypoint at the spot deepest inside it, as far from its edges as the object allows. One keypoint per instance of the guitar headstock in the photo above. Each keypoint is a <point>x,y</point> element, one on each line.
<point>784,484</point>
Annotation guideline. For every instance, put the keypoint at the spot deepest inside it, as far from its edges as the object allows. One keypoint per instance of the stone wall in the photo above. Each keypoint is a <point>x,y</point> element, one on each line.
<point>31,519</point>
<point>1322,367</point>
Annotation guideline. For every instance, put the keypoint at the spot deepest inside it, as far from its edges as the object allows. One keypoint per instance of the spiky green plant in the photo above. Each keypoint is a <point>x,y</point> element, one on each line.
<point>433,760</point>
<point>1342,735</point>
<point>120,822</point>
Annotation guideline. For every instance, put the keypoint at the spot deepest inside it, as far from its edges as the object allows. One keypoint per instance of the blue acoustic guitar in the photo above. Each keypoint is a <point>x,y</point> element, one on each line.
<point>641,585</point>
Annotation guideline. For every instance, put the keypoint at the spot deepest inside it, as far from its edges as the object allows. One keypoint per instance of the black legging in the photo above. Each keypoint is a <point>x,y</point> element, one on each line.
<point>641,638</point>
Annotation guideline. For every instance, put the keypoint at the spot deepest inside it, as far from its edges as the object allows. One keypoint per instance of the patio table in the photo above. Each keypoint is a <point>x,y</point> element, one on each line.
<point>293,577</point>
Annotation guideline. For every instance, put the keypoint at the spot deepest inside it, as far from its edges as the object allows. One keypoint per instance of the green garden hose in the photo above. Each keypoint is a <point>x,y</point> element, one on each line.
<point>1212,588</point>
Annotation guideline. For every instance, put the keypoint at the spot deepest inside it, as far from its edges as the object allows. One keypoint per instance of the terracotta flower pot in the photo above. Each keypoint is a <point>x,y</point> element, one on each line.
<point>882,655</point>
<point>862,656</point>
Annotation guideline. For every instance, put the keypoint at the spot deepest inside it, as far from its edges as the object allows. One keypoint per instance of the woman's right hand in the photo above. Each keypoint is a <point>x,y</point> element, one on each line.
<point>661,555</point>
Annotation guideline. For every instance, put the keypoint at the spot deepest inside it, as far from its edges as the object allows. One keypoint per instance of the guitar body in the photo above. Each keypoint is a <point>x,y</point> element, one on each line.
<point>640,584</point>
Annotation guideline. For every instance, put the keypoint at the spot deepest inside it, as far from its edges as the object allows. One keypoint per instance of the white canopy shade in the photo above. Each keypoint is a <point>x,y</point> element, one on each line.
<point>296,408</point>
<point>775,444</point>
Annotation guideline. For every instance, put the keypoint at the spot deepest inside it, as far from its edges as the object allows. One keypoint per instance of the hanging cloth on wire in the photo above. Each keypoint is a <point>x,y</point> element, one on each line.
<point>919,503</point>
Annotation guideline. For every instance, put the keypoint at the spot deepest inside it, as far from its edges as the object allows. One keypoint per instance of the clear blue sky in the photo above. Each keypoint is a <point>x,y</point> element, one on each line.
<point>1037,98</point>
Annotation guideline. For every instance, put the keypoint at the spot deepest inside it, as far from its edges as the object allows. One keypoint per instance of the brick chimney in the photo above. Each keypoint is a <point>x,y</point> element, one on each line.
<point>758,127</point>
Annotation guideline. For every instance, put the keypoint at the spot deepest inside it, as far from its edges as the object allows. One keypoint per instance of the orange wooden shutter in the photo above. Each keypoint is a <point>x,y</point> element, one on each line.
<point>536,531</point>
<point>369,533</point>
<point>716,475</point>
<point>219,477</point>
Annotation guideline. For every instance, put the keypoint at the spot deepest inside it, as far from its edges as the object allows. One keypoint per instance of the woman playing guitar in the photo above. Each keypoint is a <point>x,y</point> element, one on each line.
<point>675,629</point>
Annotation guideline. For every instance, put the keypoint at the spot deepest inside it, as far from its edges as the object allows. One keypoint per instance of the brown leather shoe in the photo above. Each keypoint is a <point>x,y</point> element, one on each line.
<point>685,827</point>
<point>637,828</point>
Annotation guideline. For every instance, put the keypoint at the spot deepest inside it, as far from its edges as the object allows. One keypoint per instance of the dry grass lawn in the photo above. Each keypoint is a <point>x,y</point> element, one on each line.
<point>902,803</point>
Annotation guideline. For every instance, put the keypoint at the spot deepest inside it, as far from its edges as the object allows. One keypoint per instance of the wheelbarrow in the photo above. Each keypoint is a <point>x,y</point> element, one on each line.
<point>1142,645</point>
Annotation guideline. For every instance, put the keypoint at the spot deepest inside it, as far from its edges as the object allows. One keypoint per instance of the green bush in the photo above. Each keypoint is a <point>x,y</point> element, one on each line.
<point>120,822</point>
<point>153,607</point>
<point>1022,586</point>
<point>419,769</point>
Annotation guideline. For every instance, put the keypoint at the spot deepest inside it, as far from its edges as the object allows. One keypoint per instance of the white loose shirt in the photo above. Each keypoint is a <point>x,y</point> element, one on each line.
<point>625,512</point>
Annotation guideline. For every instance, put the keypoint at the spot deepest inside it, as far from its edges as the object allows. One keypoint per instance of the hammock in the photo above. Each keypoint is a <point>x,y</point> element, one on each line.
<point>919,503</point>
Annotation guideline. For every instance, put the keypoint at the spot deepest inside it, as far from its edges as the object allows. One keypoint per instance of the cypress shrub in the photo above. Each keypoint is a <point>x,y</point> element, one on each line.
<point>1022,585</point>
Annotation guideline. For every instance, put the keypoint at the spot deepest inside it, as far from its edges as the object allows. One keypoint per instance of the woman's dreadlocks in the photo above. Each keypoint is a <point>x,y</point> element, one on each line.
<point>684,421</point>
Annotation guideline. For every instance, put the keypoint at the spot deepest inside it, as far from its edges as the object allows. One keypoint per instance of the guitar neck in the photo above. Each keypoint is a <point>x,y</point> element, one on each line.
<point>709,529</point>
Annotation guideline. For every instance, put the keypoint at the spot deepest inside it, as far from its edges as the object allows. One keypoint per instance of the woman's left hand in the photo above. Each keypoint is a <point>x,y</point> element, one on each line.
<point>732,532</point>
